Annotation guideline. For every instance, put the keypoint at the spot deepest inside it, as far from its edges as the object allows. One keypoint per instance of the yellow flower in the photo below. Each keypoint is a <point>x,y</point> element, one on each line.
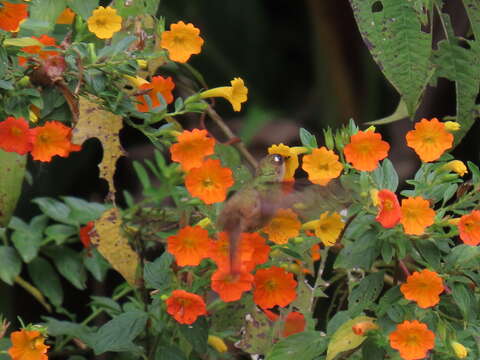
<point>104,22</point>
<point>236,93</point>
<point>374,197</point>
<point>328,228</point>
<point>456,166</point>
<point>182,41</point>
<point>136,81</point>
<point>283,226</point>
<point>217,343</point>
<point>322,165</point>
<point>452,126</point>
<point>460,351</point>
<point>291,158</point>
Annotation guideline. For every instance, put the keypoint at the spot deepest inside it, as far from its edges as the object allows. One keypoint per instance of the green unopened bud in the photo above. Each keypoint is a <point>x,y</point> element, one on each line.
<point>298,240</point>
<point>24,81</point>
<point>328,135</point>
<point>164,297</point>
<point>196,107</point>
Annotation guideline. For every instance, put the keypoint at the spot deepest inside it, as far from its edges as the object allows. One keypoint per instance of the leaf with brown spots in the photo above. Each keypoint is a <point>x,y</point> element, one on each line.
<point>110,241</point>
<point>95,122</point>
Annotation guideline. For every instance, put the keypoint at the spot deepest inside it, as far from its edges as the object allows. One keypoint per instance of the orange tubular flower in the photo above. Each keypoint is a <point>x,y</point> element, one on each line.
<point>365,150</point>
<point>469,227</point>
<point>430,139</point>
<point>363,327</point>
<point>285,225</point>
<point>322,165</point>
<point>15,135</point>
<point>85,236</point>
<point>424,288</point>
<point>294,323</point>
<point>185,307</point>
<point>11,15</point>
<point>182,41</point>
<point>209,182</point>
<point>416,215</point>
<point>389,212</point>
<point>189,246</point>
<point>230,287</point>
<point>412,339</point>
<point>274,286</point>
<point>158,86</point>
<point>192,147</point>
<point>66,17</point>
<point>52,139</point>
<point>37,50</point>
<point>28,345</point>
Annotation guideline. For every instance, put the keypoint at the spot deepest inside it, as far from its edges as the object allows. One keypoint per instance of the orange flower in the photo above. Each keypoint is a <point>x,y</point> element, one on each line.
<point>363,326</point>
<point>424,288</point>
<point>416,215</point>
<point>230,287</point>
<point>283,226</point>
<point>85,236</point>
<point>274,286</point>
<point>254,250</point>
<point>290,154</point>
<point>15,135</point>
<point>52,139</point>
<point>192,147</point>
<point>185,307</point>
<point>365,150</point>
<point>209,182</point>
<point>429,139</point>
<point>412,339</point>
<point>66,17</point>
<point>37,50</point>
<point>389,212</point>
<point>28,345</point>
<point>469,227</point>
<point>322,165</point>
<point>11,15</point>
<point>159,86</point>
<point>328,228</point>
<point>182,41</point>
<point>294,323</point>
<point>189,246</point>
<point>315,251</point>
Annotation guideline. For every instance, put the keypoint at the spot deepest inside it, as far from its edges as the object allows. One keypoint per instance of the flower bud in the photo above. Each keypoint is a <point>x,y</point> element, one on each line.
<point>142,63</point>
<point>456,166</point>
<point>217,343</point>
<point>452,126</point>
<point>328,135</point>
<point>204,222</point>
<point>460,351</point>
<point>362,327</point>
<point>374,196</point>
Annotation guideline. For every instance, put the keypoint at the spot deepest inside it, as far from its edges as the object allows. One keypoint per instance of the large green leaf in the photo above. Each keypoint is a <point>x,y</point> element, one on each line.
<point>11,264</point>
<point>392,31</point>
<point>13,171</point>
<point>69,265</point>
<point>46,280</point>
<point>459,60</point>
<point>305,345</point>
<point>46,11</point>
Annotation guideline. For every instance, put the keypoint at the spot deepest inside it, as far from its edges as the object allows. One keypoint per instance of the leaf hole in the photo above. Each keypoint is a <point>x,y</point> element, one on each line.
<point>377,6</point>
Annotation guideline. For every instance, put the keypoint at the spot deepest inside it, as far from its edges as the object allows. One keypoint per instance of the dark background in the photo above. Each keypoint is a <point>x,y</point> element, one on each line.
<point>305,65</point>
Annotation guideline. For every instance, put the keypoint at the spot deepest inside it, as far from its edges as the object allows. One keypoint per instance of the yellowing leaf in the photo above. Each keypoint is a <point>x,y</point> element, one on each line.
<point>113,245</point>
<point>11,180</point>
<point>345,339</point>
<point>95,122</point>
<point>22,42</point>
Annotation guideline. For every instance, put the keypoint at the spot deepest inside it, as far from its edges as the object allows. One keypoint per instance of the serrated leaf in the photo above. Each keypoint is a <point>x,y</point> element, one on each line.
<point>345,339</point>
<point>95,122</point>
<point>158,274</point>
<point>393,34</point>
<point>114,246</point>
<point>68,264</point>
<point>196,334</point>
<point>13,172</point>
<point>46,279</point>
<point>106,303</point>
<point>11,264</point>
<point>365,293</point>
<point>307,345</point>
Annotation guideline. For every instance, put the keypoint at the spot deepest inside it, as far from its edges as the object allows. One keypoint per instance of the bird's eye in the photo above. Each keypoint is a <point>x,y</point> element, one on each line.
<point>277,159</point>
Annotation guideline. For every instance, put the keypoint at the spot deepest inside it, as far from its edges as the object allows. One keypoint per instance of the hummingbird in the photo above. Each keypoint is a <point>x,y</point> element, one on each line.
<point>253,206</point>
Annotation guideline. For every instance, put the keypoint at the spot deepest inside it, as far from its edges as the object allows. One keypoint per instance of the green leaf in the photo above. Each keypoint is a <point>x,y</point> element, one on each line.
<point>196,334</point>
<point>46,10</point>
<point>229,156</point>
<point>5,344</point>
<point>105,303</point>
<point>169,352</point>
<point>13,172</point>
<point>45,278</point>
<point>464,257</point>
<point>365,293</point>
<point>308,140</point>
<point>385,176</point>
<point>11,264</point>
<point>83,211</point>
<point>307,345</point>
<point>393,34</point>
<point>360,253</point>
<point>55,209</point>
<point>60,232</point>
<point>84,8</point>
<point>96,264</point>
<point>466,301</point>
<point>457,63</point>
<point>158,274</point>
<point>429,252</point>
<point>401,112</point>
<point>345,339</point>
<point>69,264</point>
<point>29,239</point>
<point>118,334</point>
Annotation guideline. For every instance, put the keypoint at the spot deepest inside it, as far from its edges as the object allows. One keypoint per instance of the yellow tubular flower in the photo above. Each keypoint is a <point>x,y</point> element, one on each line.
<point>460,351</point>
<point>236,94</point>
<point>452,126</point>
<point>328,228</point>
<point>104,22</point>
<point>136,81</point>
<point>217,343</point>
<point>374,196</point>
<point>456,166</point>
<point>204,222</point>
<point>291,158</point>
